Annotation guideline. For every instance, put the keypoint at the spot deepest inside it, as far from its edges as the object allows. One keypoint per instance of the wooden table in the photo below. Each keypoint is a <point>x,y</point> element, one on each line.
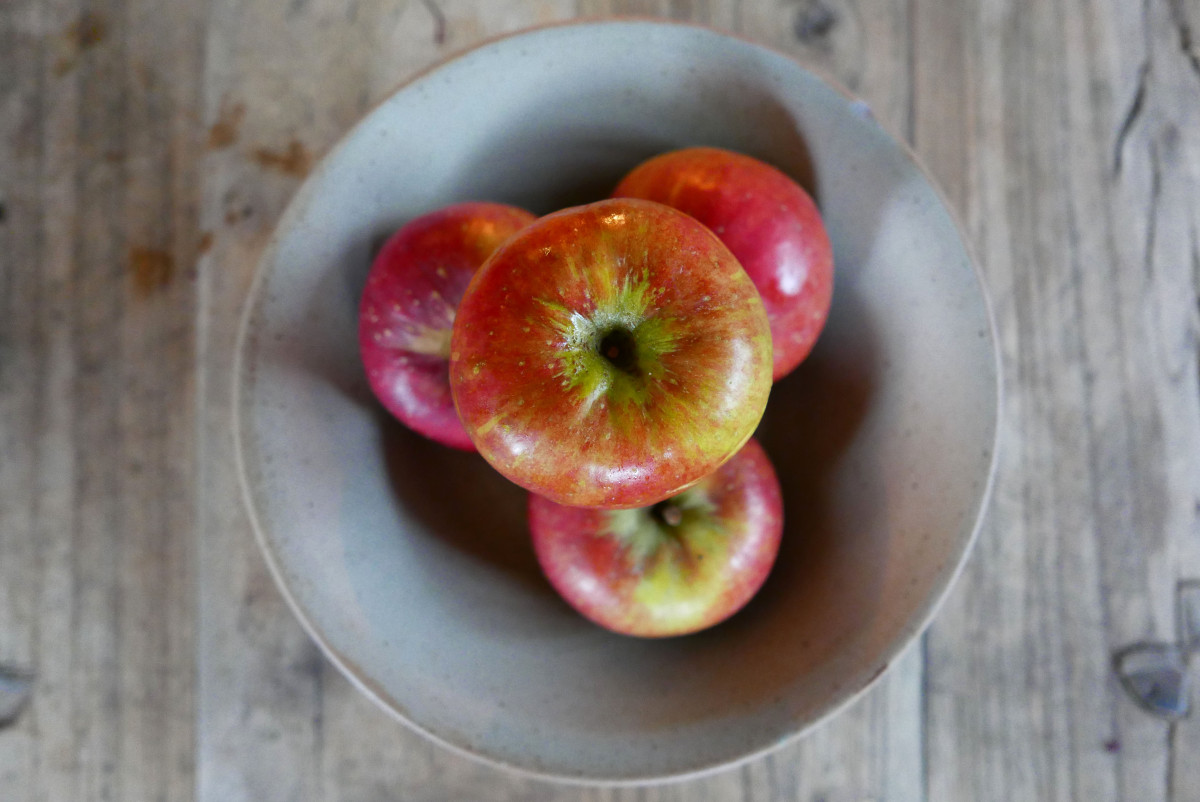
<point>146,150</point>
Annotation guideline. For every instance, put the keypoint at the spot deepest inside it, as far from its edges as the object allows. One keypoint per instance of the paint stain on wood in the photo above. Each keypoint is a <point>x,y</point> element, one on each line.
<point>89,30</point>
<point>224,131</point>
<point>294,160</point>
<point>151,270</point>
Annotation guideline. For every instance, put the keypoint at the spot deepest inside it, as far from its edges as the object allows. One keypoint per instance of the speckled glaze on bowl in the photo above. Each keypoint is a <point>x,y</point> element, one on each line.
<point>409,562</point>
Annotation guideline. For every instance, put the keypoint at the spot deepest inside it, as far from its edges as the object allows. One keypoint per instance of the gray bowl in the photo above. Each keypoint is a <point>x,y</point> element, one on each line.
<point>410,564</point>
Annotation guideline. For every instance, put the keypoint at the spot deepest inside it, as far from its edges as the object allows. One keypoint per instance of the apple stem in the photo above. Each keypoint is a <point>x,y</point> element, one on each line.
<point>671,515</point>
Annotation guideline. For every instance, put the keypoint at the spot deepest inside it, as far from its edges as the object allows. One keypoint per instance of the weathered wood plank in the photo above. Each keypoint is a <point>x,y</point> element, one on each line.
<point>1096,303</point>
<point>1167,133</point>
<point>99,185</point>
<point>982,702</point>
<point>22,382</point>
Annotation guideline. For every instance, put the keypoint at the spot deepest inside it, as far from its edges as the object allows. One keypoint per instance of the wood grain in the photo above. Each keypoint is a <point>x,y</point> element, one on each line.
<point>146,151</point>
<point>1071,107</point>
<point>96,243</point>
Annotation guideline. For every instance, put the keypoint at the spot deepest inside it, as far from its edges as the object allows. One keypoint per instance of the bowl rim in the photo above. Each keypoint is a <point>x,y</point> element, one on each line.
<point>908,636</point>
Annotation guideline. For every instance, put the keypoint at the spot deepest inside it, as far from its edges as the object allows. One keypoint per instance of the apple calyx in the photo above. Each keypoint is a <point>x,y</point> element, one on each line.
<point>654,533</point>
<point>610,354</point>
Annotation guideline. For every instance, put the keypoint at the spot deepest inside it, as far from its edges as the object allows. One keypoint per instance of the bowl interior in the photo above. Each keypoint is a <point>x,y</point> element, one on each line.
<point>410,563</point>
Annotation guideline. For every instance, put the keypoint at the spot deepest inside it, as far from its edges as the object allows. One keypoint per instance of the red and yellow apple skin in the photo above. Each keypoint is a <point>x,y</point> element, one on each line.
<point>610,355</point>
<point>677,567</point>
<point>408,307</point>
<point>769,223</point>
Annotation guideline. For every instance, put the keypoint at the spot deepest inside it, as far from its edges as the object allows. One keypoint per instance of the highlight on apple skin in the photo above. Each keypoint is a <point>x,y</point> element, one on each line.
<point>679,566</point>
<point>770,224</point>
<point>408,307</point>
<point>610,355</point>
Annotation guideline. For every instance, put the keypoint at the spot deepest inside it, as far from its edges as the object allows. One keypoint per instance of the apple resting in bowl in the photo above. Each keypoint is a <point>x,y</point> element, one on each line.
<point>610,355</point>
<point>679,566</point>
<point>769,223</point>
<point>408,307</point>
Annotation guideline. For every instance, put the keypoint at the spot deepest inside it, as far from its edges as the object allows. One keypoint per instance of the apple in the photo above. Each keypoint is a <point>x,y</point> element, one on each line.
<point>769,222</point>
<point>610,355</point>
<point>408,306</point>
<point>676,567</point>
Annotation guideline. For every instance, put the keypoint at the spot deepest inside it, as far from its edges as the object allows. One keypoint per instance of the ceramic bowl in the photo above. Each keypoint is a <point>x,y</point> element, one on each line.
<point>409,563</point>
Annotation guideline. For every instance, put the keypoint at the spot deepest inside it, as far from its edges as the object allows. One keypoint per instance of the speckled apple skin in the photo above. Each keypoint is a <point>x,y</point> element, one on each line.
<point>408,307</point>
<point>550,415</point>
<point>769,223</point>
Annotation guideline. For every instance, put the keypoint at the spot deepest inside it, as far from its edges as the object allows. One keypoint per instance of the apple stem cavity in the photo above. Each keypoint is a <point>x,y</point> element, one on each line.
<point>619,347</point>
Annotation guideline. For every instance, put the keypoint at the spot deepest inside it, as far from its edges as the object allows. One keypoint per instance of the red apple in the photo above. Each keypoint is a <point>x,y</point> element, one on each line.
<point>679,566</point>
<point>408,307</point>
<point>767,220</point>
<point>610,355</point>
